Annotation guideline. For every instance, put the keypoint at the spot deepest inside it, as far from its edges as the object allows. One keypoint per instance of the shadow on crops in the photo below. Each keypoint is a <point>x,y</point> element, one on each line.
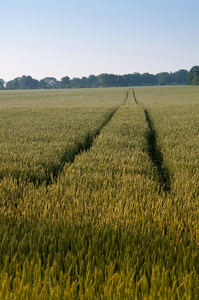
<point>135,99</point>
<point>156,155</point>
<point>127,95</point>
<point>155,152</point>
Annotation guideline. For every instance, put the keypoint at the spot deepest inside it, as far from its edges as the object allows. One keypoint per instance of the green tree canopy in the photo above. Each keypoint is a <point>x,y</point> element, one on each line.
<point>52,83</point>
<point>13,84</point>
<point>180,77</point>
<point>2,82</point>
<point>65,82</point>
<point>193,77</point>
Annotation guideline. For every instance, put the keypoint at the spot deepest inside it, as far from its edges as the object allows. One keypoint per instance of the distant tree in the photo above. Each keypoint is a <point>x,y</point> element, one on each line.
<point>136,79</point>
<point>165,78</point>
<point>27,82</point>
<point>113,79</point>
<point>180,77</point>
<point>43,84</point>
<point>149,79</point>
<point>103,80</point>
<point>13,84</point>
<point>125,80</point>
<point>83,82</point>
<point>75,83</point>
<point>107,80</point>
<point>193,76</point>
<point>92,81</point>
<point>2,82</point>
<point>65,82</point>
<point>52,82</point>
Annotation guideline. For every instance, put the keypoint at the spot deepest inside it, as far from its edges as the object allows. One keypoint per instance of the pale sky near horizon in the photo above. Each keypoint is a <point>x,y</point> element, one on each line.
<point>78,38</point>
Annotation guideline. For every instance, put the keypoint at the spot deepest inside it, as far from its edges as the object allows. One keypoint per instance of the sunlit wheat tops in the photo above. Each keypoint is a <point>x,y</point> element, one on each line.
<point>99,194</point>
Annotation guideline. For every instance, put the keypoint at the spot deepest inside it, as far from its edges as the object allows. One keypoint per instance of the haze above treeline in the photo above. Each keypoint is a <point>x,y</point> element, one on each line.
<point>181,77</point>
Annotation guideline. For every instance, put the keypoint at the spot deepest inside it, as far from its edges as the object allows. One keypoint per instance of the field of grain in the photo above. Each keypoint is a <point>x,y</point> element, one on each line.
<point>99,193</point>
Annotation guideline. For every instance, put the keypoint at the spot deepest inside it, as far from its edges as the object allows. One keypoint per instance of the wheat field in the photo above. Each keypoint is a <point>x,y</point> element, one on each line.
<point>99,194</point>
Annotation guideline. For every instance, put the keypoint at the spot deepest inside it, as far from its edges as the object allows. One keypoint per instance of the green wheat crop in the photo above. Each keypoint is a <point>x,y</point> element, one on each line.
<point>107,224</point>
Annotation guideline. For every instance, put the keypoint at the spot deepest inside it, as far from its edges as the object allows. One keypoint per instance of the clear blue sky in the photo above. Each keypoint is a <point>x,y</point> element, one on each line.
<point>81,37</point>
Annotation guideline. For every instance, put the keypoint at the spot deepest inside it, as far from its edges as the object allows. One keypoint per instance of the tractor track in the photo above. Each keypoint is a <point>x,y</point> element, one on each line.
<point>68,157</point>
<point>155,153</point>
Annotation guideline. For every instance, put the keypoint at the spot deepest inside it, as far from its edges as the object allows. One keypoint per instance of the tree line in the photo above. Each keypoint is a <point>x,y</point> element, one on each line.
<point>181,77</point>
